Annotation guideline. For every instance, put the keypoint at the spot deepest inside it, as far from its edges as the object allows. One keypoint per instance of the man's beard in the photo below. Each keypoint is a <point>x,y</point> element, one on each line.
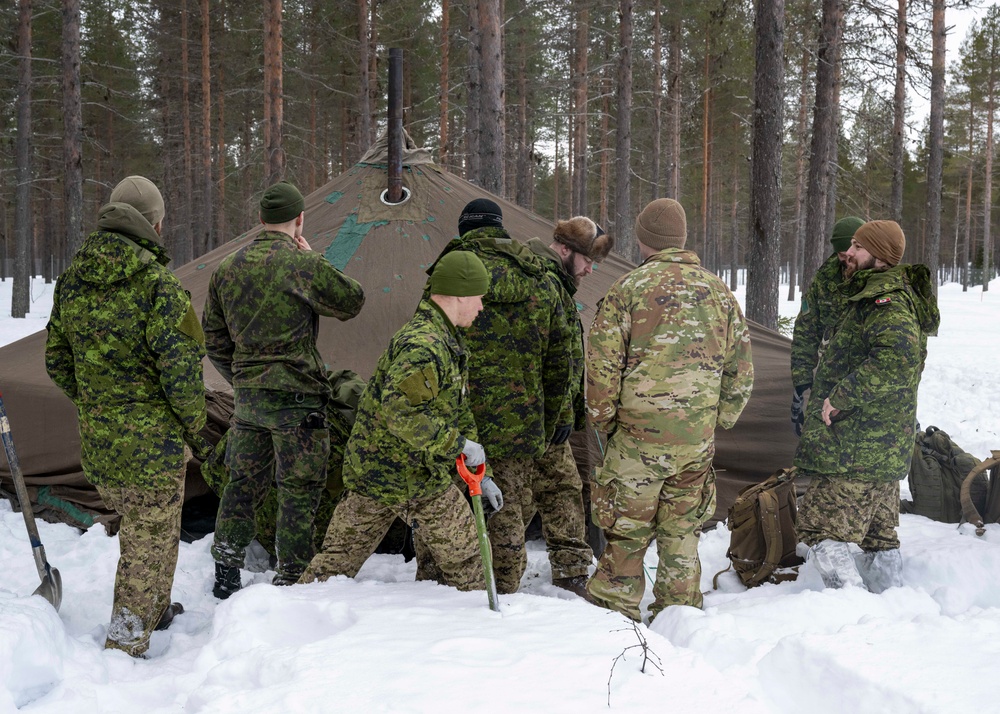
<point>568,267</point>
<point>853,266</point>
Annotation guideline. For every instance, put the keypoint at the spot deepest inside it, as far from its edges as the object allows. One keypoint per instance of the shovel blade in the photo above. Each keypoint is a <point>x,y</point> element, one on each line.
<point>51,588</point>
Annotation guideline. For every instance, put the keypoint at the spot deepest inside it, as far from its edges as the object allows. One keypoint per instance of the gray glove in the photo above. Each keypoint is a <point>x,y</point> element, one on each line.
<point>474,453</point>
<point>491,492</point>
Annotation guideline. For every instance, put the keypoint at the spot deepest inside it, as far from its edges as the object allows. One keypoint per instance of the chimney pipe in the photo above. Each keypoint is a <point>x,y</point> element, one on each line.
<point>395,188</point>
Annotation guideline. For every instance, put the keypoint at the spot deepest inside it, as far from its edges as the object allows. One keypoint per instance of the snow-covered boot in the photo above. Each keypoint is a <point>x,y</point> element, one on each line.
<point>835,564</point>
<point>881,569</point>
<point>227,581</point>
<point>173,609</point>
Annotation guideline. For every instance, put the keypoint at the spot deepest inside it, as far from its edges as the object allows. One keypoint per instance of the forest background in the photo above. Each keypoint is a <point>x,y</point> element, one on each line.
<point>767,119</point>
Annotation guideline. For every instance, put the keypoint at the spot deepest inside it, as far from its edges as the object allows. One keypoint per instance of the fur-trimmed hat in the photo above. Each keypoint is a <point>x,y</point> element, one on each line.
<point>583,236</point>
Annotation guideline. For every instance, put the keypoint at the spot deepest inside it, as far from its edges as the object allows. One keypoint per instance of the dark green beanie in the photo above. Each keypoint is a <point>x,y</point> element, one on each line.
<point>461,274</point>
<point>281,203</point>
<point>843,231</point>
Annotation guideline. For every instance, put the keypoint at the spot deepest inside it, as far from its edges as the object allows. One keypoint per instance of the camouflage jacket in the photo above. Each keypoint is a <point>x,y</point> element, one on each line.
<point>822,305</point>
<point>414,415</point>
<point>870,372</point>
<point>262,313</point>
<point>125,345</point>
<point>519,347</point>
<point>668,358</point>
<point>575,411</point>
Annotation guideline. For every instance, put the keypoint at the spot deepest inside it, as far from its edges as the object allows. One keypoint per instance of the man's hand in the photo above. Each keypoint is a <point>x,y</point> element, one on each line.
<point>301,242</point>
<point>799,409</point>
<point>562,433</point>
<point>829,411</point>
<point>475,455</point>
<point>491,492</point>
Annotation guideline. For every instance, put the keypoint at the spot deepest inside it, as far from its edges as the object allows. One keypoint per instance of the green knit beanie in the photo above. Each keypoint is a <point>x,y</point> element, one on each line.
<point>461,274</point>
<point>281,203</point>
<point>843,231</point>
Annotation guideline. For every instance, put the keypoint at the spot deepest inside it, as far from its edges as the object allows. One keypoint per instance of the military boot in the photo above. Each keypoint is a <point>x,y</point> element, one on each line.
<point>881,569</point>
<point>173,609</point>
<point>576,585</point>
<point>835,564</point>
<point>227,581</point>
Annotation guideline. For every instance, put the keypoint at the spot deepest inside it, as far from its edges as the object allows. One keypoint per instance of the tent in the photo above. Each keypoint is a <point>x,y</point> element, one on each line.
<point>387,248</point>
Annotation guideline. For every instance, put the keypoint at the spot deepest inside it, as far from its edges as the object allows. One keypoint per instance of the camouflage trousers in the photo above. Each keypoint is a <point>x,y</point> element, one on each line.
<point>282,440</point>
<point>515,477</point>
<point>148,537</point>
<point>557,491</point>
<point>850,511</point>
<point>634,501</point>
<point>444,523</point>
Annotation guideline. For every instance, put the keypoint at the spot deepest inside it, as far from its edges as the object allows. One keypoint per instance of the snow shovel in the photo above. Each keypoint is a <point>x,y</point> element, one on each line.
<point>474,479</point>
<point>51,587</point>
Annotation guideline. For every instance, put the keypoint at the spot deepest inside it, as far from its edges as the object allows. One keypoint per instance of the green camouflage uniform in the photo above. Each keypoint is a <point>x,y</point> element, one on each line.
<point>558,488</point>
<point>668,361</point>
<point>412,423</point>
<point>822,305</point>
<point>520,366</point>
<point>870,371</point>
<point>261,322</point>
<point>125,345</point>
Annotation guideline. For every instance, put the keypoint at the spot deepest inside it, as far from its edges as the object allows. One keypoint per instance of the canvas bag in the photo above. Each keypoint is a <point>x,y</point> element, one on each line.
<point>937,470</point>
<point>989,511</point>
<point>762,526</point>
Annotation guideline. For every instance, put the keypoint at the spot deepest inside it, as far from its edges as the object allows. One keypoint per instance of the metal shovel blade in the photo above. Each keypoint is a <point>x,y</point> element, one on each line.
<point>51,587</point>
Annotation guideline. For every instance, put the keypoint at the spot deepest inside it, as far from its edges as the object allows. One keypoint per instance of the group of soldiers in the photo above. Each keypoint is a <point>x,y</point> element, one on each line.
<point>493,367</point>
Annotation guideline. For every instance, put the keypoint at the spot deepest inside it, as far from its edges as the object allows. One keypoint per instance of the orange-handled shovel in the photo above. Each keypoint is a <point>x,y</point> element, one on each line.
<point>474,480</point>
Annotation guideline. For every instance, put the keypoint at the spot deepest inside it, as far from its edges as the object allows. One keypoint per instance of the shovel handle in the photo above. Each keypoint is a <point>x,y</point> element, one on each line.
<point>472,478</point>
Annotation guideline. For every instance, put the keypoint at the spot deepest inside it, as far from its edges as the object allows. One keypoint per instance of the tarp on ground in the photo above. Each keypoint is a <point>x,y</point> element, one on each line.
<point>387,248</point>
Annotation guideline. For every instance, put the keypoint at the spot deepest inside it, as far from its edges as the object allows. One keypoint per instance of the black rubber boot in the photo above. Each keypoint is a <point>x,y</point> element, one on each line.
<point>173,609</point>
<point>227,581</point>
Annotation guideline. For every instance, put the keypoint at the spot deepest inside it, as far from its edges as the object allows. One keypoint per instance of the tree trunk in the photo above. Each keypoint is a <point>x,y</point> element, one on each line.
<point>72,128</point>
<point>444,84</point>
<point>273,89</point>
<point>23,214</point>
<point>822,135</point>
<point>706,146</point>
<point>365,131</point>
<point>899,116</point>
<point>654,178</point>
<point>674,100</point>
<point>734,245</point>
<point>988,178</point>
<point>966,247</point>
<point>580,96</point>
<point>525,151</point>
<point>935,153</point>
<point>492,116</point>
<point>603,211</point>
<point>798,236</point>
<point>765,164</point>
<point>186,209</point>
<point>222,227</point>
<point>624,230</point>
<point>205,220</point>
<point>473,114</point>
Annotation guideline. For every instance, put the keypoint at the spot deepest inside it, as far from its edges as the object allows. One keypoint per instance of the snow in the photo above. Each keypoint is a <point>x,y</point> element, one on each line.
<point>384,643</point>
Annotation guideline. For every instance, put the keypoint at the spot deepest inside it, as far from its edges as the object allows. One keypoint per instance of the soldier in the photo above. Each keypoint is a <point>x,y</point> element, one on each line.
<point>576,245</point>
<point>125,345</point>
<point>261,322</point>
<point>413,422</point>
<point>668,361</point>
<point>860,427</point>
<point>822,304</point>
<point>519,371</point>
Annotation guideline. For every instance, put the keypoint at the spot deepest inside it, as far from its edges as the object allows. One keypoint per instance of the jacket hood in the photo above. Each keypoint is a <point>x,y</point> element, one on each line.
<point>514,269</point>
<point>914,280</point>
<point>124,244</point>
<point>543,251</point>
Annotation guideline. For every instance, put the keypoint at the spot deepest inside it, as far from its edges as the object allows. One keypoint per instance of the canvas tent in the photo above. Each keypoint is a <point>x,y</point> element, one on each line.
<point>387,248</point>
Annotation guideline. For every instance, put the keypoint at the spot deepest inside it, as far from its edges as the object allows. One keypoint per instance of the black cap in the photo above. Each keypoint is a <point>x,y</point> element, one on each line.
<point>480,213</point>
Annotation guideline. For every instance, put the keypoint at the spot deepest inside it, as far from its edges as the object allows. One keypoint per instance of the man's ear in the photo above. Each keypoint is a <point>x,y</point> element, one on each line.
<point>159,227</point>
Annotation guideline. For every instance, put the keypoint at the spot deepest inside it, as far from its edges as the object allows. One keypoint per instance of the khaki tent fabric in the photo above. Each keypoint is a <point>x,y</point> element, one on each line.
<point>387,249</point>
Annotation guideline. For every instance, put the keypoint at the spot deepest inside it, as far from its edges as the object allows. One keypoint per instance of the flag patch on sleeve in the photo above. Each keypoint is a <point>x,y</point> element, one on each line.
<point>883,300</point>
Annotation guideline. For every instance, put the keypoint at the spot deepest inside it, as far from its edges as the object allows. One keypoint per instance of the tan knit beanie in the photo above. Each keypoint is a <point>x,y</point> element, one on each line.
<point>662,224</point>
<point>883,239</point>
<point>142,194</point>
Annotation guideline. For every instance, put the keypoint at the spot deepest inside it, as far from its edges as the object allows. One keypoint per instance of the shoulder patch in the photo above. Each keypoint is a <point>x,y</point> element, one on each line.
<point>884,300</point>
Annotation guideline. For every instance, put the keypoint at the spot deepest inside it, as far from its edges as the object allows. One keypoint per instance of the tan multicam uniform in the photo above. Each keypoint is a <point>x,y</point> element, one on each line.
<point>668,361</point>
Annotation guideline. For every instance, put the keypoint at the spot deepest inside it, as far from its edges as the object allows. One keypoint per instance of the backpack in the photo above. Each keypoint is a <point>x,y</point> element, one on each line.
<point>937,470</point>
<point>762,526</point>
<point>989,512</point>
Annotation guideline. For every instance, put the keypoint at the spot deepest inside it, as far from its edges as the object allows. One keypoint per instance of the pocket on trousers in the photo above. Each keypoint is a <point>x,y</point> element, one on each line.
<point>602,504</point>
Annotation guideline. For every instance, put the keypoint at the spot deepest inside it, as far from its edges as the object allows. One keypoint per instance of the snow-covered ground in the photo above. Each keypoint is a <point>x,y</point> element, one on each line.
<point>383,643</point>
